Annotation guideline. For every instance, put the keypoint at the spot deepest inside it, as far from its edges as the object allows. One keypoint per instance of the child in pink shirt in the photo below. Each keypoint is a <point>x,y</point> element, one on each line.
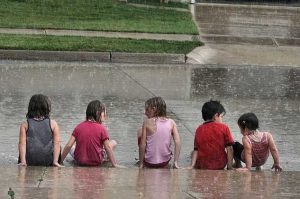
<point>91,137</point>
<point>157,133</point>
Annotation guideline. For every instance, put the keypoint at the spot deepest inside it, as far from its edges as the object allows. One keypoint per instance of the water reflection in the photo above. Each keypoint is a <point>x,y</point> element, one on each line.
<point>158,183</point>
<point>231,184</point>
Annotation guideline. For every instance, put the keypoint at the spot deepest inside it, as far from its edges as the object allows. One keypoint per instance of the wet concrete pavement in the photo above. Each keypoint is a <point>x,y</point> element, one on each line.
<point>250,24</point>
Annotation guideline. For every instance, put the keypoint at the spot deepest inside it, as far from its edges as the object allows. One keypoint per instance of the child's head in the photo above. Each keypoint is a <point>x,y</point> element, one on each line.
<point>212,109</point>
<point>249,121</point>
<point>39,107</point>
<point>95,111</point>
<point>155,107</point>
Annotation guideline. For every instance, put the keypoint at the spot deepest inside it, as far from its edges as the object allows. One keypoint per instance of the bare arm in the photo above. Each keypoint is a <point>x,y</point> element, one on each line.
<point>67,148</point>
<point>177,149</point>
<point>248,153</point>
<point>22,144</point>
<point>110,153</point>
<point>142,146</point>
<point>229,150</point>
<point>194,159</point>
<point>56,142</point>
<point>274,152</point>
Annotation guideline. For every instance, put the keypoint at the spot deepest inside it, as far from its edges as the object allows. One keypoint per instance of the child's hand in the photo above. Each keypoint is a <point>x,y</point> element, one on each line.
<point>189,167</point>
<point>175,165</point>
<point>277,167</point>
<point>120,166</point>
<point>243,169</point>
<point>56,164</point>
<point>141,166</point>
<point>22,164</point>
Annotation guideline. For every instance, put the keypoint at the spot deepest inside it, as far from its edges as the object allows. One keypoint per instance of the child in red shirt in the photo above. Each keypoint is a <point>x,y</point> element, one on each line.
<point>91,138</point>
<point>213,140</point>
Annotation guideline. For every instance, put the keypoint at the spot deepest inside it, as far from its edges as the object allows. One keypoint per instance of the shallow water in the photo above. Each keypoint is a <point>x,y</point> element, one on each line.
<point>270,92</point>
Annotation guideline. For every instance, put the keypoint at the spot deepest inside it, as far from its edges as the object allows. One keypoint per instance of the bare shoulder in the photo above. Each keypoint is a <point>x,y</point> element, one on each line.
<point>24,125</point>
<point>246,141</point>
<point>53,124</point>
<point>269,136</point>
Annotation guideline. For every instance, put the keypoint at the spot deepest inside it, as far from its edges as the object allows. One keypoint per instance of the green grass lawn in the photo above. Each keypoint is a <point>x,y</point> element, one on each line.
<point>94,44</point>
<point>104,15</point>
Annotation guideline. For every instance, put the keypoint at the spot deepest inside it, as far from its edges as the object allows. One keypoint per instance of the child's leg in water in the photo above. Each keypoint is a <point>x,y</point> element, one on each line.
<point>72,150</point>
<point>237,152</point>
<point>113,145</point>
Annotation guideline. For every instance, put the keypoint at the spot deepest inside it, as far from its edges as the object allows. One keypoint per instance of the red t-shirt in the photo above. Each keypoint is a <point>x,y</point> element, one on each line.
<point>89,137</point>
<point>211,138</point>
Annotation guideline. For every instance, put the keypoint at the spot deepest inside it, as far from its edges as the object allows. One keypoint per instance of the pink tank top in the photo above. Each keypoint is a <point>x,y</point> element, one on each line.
<point>158,145</point>
<point>260,150</point>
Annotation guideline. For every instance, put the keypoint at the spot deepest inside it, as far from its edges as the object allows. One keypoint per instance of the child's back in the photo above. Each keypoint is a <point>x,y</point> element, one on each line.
<point>39,139</point>
<point>211,138</point>
<point>158,142</point>
<point>39,147</point>
<point>260,148</point>
<point>157,133</point>
<point>89,136</point>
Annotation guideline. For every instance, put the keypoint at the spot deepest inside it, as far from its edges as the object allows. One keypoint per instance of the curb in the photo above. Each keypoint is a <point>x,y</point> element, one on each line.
<point>112,57</point>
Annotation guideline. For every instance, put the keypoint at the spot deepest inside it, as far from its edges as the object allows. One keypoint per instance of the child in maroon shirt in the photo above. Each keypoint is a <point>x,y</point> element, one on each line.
<point>91,138</point>
<point>256,146</point>
<point>213,140</point>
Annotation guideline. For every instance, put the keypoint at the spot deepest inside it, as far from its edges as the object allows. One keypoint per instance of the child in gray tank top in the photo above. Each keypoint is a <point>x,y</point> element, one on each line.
<point>39,139</point>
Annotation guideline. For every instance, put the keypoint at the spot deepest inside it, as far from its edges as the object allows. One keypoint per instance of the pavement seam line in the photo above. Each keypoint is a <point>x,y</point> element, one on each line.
<point>275,42</point>
<point>42,177</point>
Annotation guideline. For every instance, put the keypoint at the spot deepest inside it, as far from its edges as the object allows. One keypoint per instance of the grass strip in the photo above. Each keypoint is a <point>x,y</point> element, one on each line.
<point>94,44</point>
<point>103,15</point>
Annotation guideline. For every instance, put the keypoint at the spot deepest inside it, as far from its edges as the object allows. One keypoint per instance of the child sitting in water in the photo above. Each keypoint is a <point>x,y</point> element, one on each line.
<point>39,139</point>
<point>155,139</point>
<point>91,138</point>
<point>213,140</point>
<point>256,145</point>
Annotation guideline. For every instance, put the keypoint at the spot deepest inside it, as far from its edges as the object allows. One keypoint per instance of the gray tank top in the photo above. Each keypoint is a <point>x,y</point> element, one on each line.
<point>39,144</point>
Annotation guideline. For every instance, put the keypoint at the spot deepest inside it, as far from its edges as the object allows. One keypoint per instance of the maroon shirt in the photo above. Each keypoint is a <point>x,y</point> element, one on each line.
<point>89,137</point>
<point>211,138</point>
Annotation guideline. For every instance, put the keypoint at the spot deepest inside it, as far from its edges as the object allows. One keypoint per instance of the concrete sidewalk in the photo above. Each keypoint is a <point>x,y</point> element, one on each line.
<point>85,33</point>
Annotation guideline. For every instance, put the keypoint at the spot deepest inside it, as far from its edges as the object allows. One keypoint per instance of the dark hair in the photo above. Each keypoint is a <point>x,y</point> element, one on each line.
<point>210,108</point>
<point>39,106</point>
<point>94,110</point>
<point>248,120</point>
<point>159,104</point>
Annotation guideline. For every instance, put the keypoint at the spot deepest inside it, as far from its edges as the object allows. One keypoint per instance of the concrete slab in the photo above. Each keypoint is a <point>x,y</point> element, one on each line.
<point>149,183</point>
<point>150,58</point>
<point>237,54</point>
<point>54,55</point>
<point>253,21</point>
